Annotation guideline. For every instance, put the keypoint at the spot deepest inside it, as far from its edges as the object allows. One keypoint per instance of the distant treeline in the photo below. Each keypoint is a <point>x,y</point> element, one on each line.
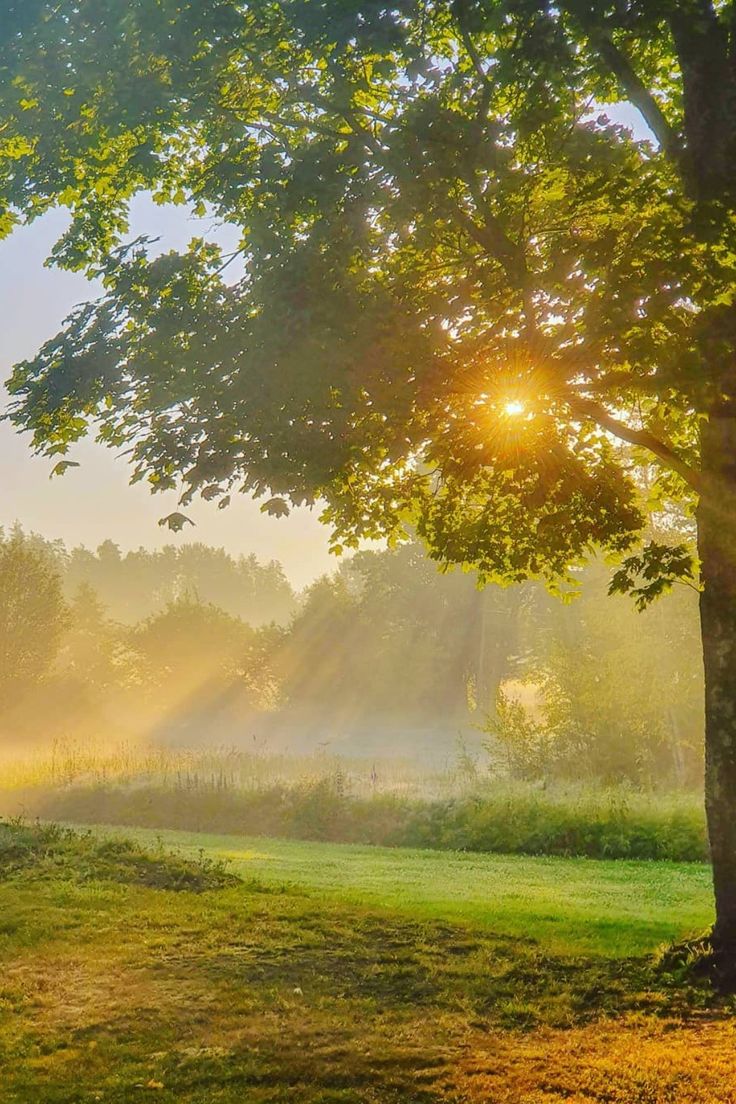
<point>134,585</point>
<point>189,645</point>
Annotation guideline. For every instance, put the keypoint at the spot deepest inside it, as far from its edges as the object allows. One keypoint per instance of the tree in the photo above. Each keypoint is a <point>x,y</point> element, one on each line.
<point>137,583</point>
<point>33,615</point>
<point>388,641</point>
<point>94,652</point>
<point>191,643</point>
<point>473,302</point>
<point>194,650</point>
<point>432,644</point>
<point>621,690</point>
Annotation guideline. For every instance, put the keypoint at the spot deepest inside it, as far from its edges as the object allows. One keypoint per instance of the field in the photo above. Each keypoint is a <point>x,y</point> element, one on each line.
<point>568,905</point>
<point>345,974</point>
<point>462,806</point>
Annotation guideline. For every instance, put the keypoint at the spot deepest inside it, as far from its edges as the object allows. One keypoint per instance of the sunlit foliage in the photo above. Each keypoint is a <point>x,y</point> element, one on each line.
<point>441,228</point>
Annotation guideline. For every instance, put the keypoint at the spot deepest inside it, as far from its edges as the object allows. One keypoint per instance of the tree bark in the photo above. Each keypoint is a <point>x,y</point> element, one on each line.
<point>717,549</point>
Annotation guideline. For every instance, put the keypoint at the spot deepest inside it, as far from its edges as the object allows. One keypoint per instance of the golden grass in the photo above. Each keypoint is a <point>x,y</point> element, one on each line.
<point>631,1061</point>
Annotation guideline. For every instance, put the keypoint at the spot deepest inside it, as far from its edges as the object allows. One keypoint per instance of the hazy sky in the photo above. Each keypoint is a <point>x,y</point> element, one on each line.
<point>94,502</point>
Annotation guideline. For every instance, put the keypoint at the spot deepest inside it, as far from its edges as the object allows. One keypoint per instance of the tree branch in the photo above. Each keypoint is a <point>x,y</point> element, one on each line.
<point>492,238</point>
<point>634,88</point>
<point>459,11</point>
<point>641,438</point>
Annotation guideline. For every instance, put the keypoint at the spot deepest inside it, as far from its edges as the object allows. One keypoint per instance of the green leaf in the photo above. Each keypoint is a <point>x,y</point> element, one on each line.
<point>62,466</point>
<point>276,507</point>
<point>175,521</point>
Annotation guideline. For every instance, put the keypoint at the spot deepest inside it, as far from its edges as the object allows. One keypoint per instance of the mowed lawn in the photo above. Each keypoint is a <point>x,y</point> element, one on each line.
<point>567,905</point>
<point>347,975</point>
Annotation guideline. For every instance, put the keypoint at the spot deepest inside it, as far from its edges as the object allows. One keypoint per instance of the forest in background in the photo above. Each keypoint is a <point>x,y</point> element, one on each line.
<point>189,646</point>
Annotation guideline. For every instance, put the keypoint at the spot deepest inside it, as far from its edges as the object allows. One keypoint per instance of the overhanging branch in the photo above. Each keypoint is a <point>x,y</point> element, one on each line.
<point>641,438</point>
<point>632,86</point>
<point>459,10</point>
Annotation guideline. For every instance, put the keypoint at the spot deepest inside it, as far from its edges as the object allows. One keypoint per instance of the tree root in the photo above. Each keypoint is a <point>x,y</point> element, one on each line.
<point>702,958</point>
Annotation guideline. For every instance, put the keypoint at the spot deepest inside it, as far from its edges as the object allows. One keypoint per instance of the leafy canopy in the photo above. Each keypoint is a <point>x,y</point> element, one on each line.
<point>472,304</point>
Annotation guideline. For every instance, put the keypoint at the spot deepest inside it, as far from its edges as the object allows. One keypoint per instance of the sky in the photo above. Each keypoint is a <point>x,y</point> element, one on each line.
<point>95,502</point>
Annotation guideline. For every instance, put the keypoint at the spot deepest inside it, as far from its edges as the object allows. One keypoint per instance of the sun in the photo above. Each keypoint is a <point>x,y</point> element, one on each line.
<point>513,408</point>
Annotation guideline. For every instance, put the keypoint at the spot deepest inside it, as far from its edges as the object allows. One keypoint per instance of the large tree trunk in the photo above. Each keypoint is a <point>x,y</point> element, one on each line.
<point>717,548</point>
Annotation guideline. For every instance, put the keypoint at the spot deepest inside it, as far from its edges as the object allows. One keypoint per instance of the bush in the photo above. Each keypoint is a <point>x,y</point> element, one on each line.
<point>50,850</point>
<point>613,824</point>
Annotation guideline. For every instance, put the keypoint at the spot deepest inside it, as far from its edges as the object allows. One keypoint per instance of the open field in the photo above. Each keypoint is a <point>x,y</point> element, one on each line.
<point>267,992</point>
<point>568,905</point>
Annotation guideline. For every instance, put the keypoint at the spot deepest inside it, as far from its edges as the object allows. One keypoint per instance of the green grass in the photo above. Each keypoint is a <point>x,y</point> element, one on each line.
<point>568,906</point>
<point>499,817</point>
<point>129,975</point>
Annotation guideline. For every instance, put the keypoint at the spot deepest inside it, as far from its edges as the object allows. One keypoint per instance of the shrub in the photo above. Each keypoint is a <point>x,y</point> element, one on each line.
<point>51,850</point>
<point>521,819</point>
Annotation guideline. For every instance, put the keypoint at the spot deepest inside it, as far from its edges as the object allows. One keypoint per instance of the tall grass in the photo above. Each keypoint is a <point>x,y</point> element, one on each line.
<point>66,762</point>
<point>324,797</point>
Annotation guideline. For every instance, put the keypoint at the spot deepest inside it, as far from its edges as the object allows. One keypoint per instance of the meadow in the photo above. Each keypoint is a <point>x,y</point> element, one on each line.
<point>324,973</point>
<point>570,906</point>
<point>461,805</point>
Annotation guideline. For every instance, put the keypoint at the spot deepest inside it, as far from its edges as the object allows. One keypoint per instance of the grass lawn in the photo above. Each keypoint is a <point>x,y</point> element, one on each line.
<point>303,984</point>
<point>567,905</point>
